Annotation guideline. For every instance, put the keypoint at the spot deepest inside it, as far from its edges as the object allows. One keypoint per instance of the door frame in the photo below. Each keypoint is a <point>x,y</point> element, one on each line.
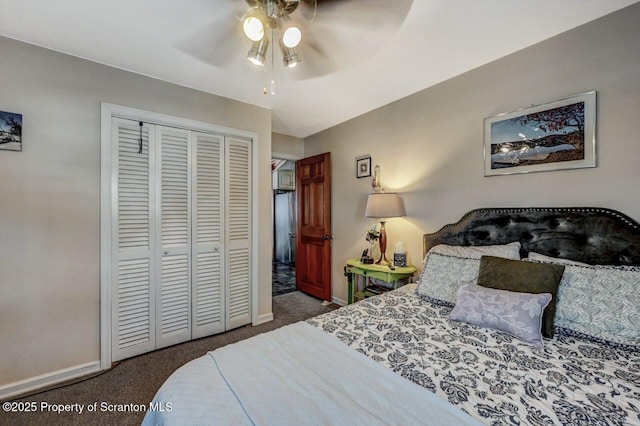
<point>108,186</point>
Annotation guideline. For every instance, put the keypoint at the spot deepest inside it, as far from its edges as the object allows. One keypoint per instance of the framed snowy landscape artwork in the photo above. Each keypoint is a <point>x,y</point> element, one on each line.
<point>10,131</point>
<point>552,136</point>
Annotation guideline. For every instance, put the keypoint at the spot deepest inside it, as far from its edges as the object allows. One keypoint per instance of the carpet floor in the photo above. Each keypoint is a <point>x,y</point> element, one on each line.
<point>136,380</point>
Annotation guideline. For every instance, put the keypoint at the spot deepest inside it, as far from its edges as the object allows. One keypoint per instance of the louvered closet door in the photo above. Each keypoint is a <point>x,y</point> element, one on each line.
<point>208,308</point>
<point>238,220</point>
<point>173,295</point>
<point>133,266</point>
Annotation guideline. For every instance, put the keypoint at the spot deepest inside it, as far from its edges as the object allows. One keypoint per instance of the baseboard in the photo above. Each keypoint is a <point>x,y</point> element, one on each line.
<point>21,387</point>
<point>338,301</point>
<point>263,318</point>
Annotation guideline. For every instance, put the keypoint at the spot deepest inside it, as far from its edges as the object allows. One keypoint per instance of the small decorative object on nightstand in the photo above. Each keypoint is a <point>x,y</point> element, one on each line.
<point>400,259</point>
<point>365,258</point>
<point>373,277</point>
<point>400,255</point>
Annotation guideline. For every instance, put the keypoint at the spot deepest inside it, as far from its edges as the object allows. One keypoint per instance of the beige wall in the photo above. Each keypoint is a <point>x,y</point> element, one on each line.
<point>429,145</point>
<point>50,199</point>
<point>285,146</point>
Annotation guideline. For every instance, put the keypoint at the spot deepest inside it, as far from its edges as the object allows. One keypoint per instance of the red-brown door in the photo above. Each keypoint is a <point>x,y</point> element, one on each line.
<point>313,242</point>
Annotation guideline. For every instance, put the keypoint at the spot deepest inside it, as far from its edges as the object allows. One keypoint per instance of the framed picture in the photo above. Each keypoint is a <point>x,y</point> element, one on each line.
<point>363,166</point>
<point>552,136</point>
<point>10,131</point>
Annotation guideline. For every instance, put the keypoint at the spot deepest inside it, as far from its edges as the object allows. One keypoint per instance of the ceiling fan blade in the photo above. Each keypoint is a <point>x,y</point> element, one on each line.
<point>219,41</point>
<point>315,59</point>
<point>323,49</point>
<point>342,32</point>
<point>364,15</point>
<point>315,63</point>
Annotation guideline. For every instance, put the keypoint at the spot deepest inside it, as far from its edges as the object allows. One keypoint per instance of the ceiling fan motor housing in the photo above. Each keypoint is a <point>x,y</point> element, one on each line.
<point>274,9</point>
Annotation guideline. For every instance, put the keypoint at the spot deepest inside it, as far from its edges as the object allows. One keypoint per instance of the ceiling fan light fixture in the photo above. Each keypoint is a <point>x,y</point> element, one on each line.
<point>291,36</point>
<point>253,25</point>
<point>290,57</point>
<point>258,52</point>
<point>272,15</point>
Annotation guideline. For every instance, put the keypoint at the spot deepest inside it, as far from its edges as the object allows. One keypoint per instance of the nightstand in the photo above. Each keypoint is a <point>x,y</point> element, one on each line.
<point>399,276</point>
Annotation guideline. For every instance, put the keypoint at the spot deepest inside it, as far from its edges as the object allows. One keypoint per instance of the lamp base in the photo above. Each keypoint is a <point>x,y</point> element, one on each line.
<point>383,245</point>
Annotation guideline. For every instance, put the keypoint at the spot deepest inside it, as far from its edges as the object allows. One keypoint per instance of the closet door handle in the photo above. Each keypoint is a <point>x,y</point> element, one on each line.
<point>166,252</point>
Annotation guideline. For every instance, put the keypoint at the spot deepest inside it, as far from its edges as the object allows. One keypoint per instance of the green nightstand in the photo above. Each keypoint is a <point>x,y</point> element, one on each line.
<point>399,276</point>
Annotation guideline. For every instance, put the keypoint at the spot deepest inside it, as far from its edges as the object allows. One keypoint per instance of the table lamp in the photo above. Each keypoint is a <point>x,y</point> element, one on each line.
<point>384,205</point>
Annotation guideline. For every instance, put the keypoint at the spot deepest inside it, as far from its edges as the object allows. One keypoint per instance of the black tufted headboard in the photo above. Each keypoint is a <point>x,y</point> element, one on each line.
<point>585,234</point>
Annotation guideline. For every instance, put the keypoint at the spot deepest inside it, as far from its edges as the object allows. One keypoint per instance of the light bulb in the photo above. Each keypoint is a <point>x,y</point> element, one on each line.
<point>256,61</point>
<point>291,37</point>
<point>253,28</point>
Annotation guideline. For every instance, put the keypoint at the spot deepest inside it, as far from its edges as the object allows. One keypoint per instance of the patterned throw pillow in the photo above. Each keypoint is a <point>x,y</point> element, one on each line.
<point>602,302</point>
<point>519,314</point>
<point>443,275</point>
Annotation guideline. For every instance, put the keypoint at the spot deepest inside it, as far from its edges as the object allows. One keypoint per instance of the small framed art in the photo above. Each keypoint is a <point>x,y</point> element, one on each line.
<point>10,131</point>
<point>552,136</point>
<point>363,166</point>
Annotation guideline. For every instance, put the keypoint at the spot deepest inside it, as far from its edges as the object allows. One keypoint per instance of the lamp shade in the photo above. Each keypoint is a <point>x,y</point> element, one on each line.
<point>384,205</point>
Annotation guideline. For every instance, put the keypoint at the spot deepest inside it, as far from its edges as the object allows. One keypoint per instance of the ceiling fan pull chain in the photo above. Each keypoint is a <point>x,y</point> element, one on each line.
<point>273,72</point>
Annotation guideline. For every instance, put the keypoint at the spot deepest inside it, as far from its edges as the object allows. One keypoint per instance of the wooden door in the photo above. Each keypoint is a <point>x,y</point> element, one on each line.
<point>313,243</point>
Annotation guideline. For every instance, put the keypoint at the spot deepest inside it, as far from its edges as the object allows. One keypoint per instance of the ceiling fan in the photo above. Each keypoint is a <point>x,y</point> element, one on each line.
<point>309,37</point>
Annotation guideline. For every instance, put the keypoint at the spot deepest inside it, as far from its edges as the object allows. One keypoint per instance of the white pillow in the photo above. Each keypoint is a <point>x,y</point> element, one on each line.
<point>544,258</point>
<point>508,251</point>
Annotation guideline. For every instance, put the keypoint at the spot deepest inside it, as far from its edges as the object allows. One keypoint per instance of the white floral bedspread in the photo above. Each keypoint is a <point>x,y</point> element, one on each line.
<point>492,376</point>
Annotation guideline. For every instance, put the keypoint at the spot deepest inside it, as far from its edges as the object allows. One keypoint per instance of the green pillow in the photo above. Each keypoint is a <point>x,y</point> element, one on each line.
<point>524,277</point>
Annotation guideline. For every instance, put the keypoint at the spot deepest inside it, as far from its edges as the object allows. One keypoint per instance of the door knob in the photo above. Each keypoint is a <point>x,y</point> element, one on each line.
<point>327,237</point>
<point>166,252</point>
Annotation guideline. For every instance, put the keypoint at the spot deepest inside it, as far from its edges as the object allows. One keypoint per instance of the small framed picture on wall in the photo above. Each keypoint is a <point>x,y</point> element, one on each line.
<point>10,131</point>
<point>363,166</point>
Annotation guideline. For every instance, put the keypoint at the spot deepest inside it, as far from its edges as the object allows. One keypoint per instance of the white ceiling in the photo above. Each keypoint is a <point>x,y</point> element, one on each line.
<point>178,40</point>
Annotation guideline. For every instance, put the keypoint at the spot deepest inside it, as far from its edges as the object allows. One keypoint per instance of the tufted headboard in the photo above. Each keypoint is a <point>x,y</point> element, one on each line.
<point>585,234</point>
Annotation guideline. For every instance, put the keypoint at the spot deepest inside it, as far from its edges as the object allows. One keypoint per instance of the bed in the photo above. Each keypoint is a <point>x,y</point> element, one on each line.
<point>425,354</point>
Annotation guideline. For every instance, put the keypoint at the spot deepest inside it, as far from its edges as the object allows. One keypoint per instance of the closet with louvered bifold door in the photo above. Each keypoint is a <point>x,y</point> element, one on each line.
<point>181,227</point>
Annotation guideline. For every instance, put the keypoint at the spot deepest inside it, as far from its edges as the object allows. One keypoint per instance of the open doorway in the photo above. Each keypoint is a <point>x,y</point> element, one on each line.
<point>284,226</point>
